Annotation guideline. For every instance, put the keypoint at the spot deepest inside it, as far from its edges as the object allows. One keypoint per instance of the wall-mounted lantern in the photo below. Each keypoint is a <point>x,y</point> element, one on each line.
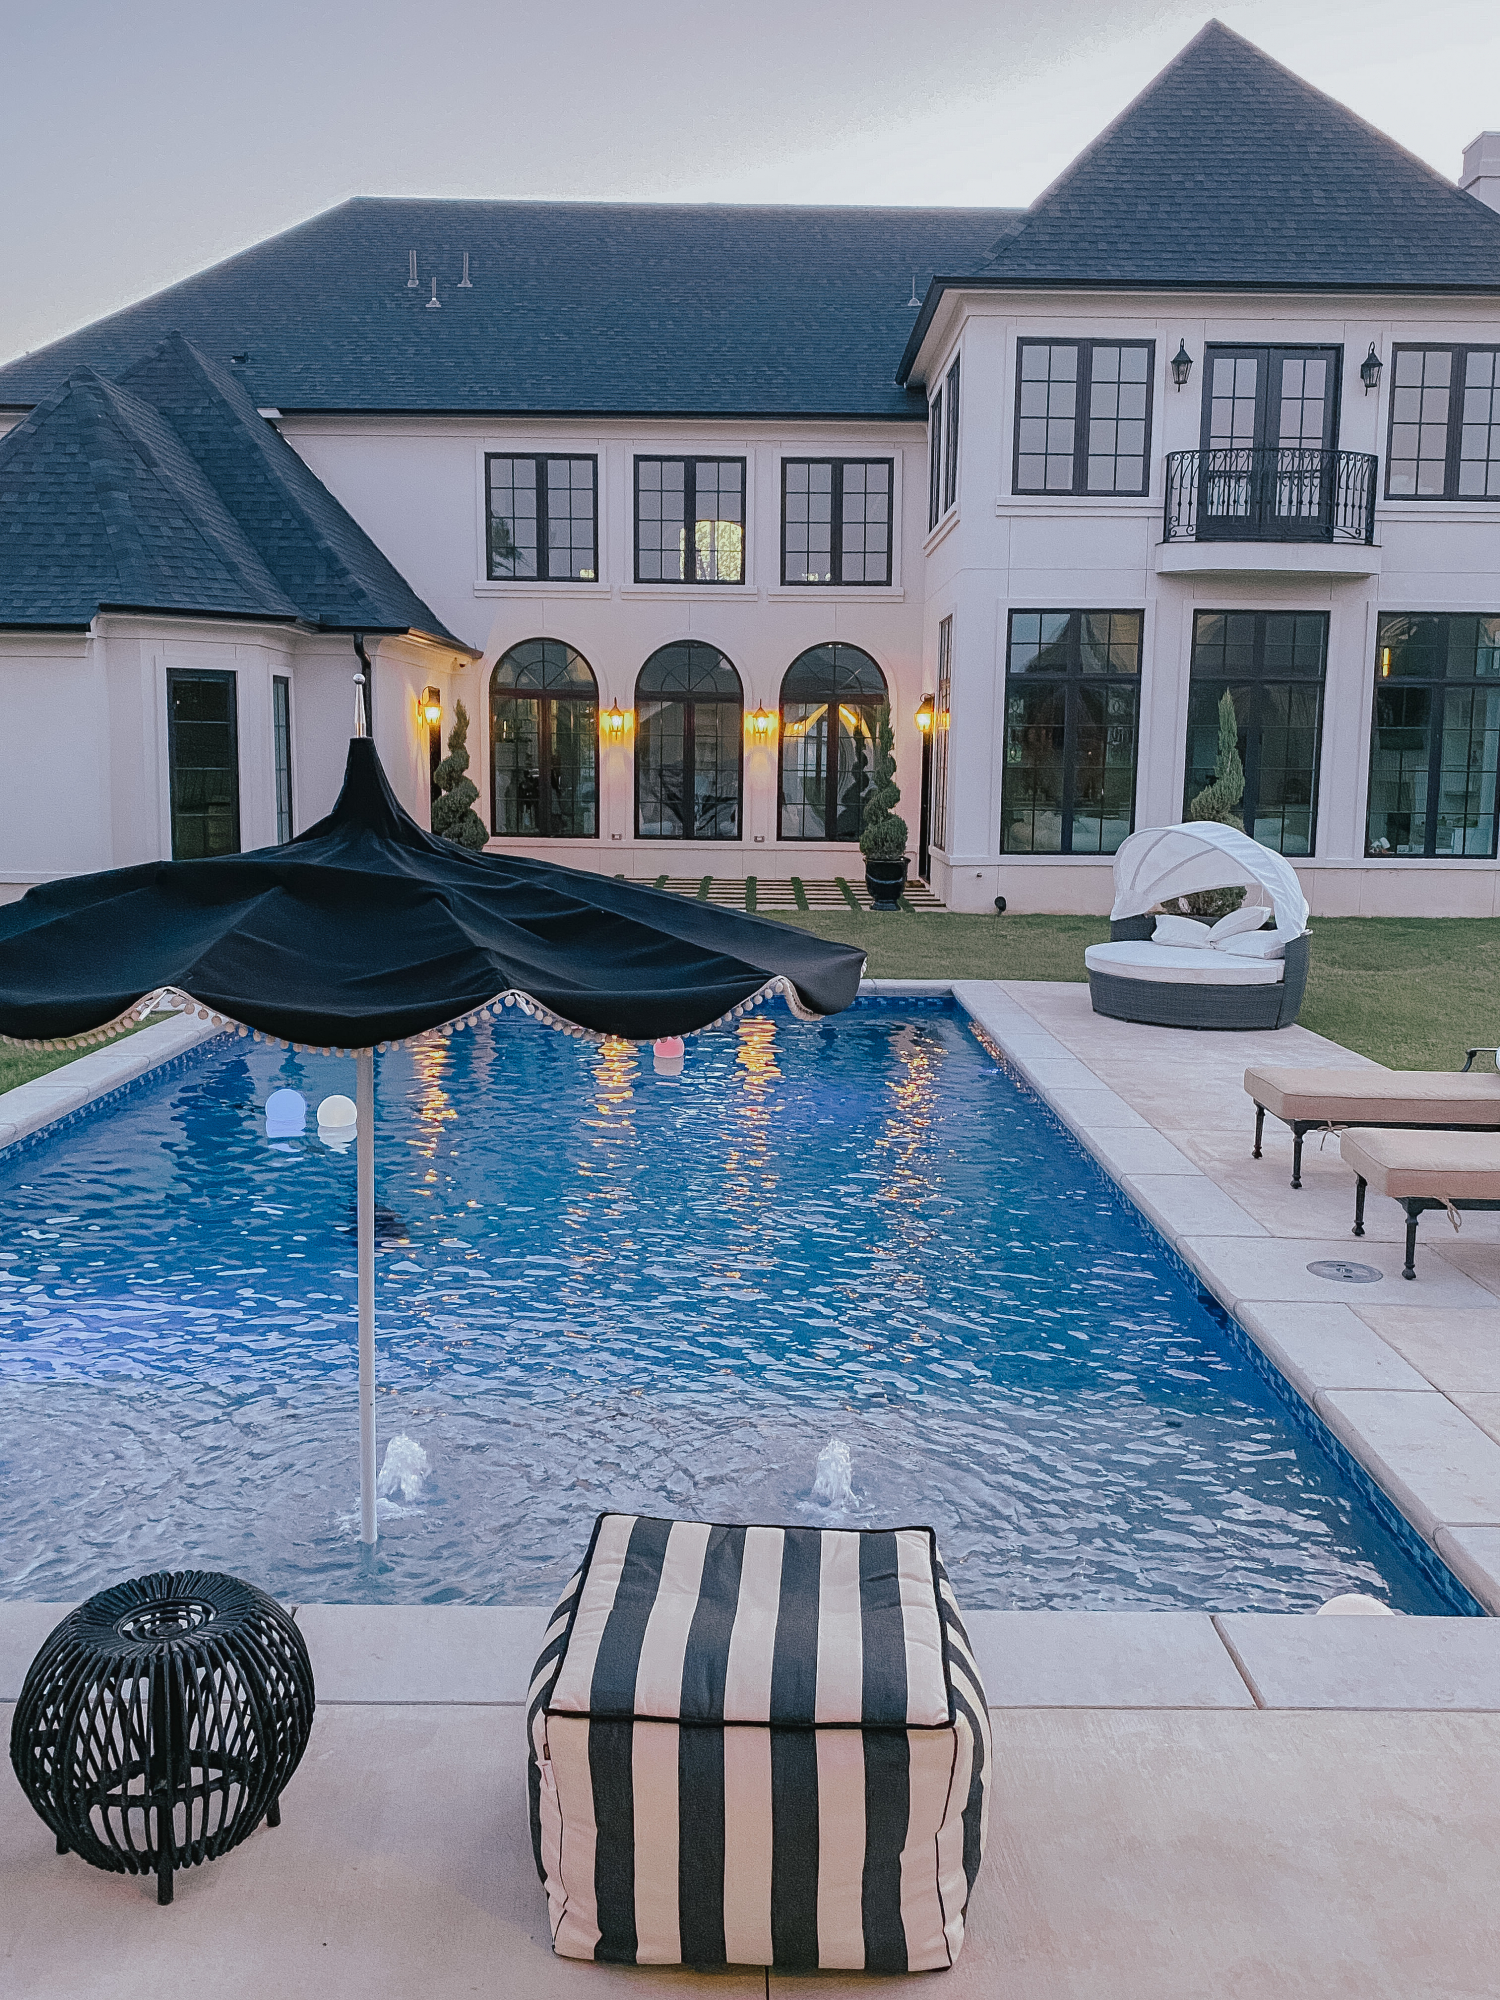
<point>430,706</point>
<point>1182,365</point>
<point>1369,369</point>
<point>761,723</point>
<point>925,713</point>
<point>613,723</point>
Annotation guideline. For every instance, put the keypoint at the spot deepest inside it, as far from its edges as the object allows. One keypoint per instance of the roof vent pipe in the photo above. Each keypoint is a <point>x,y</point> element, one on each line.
<point>914,303</point>
<point>411,283</point>
<point>463,283</point>
<point>1481,174</point>
<point>433,304</point>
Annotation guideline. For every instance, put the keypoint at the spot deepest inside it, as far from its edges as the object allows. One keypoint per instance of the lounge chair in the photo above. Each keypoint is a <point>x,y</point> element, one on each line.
<point>1433,1169</point>
<point>1415,1100</point>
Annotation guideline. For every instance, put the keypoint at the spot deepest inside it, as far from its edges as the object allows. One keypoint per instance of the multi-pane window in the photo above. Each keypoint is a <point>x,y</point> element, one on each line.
<point>830,698</point>
<point>544,742</point>
<point>1445,424</point>
<point>690,520</point>
<point>836,520</point>
<point>1271,665</point>
<point>935,460</point>
<point>689,732</point>
<point>1083,416</point>
<point>281,733</point>
<point>941,713</point>
<point>543,518</point>
<point>950,438</point>
<point>1435,749</point>
<point>203,765</point>
<point>1072,704</point>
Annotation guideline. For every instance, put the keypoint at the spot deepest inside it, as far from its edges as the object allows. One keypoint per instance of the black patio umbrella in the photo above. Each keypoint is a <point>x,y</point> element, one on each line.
<point>365,930</point>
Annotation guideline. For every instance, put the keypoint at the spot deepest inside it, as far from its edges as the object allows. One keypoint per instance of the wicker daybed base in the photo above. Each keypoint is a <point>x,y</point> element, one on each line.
<point>1174,1004</point>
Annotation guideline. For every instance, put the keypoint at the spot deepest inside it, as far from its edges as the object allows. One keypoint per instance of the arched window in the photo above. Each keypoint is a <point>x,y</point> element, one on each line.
<point>544,742</point>
<point>829,700</point>
<point>689,710</point>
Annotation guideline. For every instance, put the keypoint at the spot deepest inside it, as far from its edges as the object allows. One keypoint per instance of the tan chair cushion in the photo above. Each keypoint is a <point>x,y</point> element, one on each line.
<point>1449,1166</point>
<point>1404,1096</point>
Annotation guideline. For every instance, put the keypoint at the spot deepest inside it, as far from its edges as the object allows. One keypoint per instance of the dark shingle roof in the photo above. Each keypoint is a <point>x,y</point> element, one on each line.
<point>573,307</point>
<point>166,492</point>
<point>1230,172</point>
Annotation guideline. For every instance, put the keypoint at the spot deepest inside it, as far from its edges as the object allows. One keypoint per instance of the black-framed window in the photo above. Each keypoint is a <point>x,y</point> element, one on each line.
<point>1435,744</point>
<point>950,437</point>
<point>543,517</point>
<point>544,743</point>
<point>281,739</point>
<point>203,763</point>
<point>1271,664</point>
<point>830,696</point>
<point>1445,424</point>
<point>935,460</point>
<point>690,520</point>
<point>1083,416</point>
<point>1072,714</point>
<point>689,741</point>
<point>836,520</point>
<point>941,716</point>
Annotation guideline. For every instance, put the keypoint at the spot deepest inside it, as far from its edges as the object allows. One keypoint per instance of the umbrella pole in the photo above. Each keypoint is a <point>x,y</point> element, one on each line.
<point>364,1104</point>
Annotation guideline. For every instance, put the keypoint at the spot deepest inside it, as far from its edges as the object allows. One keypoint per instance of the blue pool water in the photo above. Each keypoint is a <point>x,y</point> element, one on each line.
<point>598,1287</point>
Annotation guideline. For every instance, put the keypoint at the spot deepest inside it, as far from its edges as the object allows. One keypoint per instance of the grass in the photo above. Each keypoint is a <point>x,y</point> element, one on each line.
<point>18,1066</point>
<point>1410,992</point>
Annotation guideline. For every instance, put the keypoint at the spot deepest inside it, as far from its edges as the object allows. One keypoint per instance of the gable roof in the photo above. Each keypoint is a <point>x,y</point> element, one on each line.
<point>572,308</point>
<point>165,491</point>
<point>1230,173</point>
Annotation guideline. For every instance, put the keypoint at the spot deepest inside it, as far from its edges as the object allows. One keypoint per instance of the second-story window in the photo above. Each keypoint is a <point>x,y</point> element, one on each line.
<point>950,438</point>
<point>543,518</point>
<point>836,520</point>
<point>1083,416</point>
<point>690,520</point>
<point>1445,424</point>
<point>935,460</point>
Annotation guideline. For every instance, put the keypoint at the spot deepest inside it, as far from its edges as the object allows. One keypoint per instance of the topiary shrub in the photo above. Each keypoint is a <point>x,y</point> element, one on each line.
<point>884,834</point>
<point>453,814</point>
<point>1219,801</point>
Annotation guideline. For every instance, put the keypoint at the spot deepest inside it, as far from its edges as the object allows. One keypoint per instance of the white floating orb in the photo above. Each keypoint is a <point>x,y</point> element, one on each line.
<point>336,1121</point>
<point>286,1114</point>
<point>1354,1604</point>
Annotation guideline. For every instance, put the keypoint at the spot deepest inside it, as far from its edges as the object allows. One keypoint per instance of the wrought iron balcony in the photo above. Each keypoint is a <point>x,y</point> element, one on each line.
<point>1244,494</point>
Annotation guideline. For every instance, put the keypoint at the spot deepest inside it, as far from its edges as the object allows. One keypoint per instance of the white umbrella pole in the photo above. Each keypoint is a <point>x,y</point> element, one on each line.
<point>364,1104</point>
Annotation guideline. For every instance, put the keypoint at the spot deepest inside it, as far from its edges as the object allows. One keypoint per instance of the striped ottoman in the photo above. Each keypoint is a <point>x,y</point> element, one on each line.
<point>758,1746</point>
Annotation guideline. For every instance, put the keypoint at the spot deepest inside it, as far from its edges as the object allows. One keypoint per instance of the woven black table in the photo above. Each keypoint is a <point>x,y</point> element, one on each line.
<point>161,1721</point>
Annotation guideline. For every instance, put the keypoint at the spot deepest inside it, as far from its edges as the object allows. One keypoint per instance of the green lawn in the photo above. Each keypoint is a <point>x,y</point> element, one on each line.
<point>1411,992</point>
<point>22,1065</point>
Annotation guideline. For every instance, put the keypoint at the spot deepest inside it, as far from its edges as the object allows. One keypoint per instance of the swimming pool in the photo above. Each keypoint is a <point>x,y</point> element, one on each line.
<point>599,1286</point>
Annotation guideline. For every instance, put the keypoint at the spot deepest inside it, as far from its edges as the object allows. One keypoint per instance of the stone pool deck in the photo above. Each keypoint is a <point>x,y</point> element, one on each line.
<point>1243,1807</point>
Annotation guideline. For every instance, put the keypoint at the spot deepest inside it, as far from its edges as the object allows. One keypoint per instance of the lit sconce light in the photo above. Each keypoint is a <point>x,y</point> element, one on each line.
<point>614,722</point>
<point>430,706</point>
<point>1369,369</point>
<point>1385,663</point>
<point>1182,365</point>
<point>761,723</point>
<point>925,714</point>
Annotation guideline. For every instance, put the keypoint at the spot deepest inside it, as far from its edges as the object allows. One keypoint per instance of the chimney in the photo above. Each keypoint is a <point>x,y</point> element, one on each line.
<point>1481,174</point>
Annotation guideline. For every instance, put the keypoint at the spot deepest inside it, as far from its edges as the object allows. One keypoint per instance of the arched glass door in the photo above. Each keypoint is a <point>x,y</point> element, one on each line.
<point>829,700</point>
<point>544,743</point>
<point>689,710</point>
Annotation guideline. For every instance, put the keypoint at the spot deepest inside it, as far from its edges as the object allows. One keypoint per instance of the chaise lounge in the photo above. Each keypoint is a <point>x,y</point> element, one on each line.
<point>1331,1100</point>
<point>1422,1170</point>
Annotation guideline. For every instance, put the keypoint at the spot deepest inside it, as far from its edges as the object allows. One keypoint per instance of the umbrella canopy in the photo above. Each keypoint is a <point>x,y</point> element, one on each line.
<point>367,929</point>
<point>1168,861</point>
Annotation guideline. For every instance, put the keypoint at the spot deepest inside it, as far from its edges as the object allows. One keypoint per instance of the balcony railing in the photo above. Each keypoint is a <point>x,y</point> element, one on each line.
<point>1239,494</point>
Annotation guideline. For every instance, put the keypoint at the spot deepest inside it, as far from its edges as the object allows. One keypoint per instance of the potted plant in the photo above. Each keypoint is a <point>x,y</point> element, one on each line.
<point>883,841</point>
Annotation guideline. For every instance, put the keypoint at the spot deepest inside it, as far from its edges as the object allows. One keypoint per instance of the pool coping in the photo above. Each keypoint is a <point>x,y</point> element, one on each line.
<point>1036,1659</point>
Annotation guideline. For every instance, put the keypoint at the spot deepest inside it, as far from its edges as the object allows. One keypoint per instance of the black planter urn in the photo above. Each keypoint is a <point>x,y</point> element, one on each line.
<point>885,880</point>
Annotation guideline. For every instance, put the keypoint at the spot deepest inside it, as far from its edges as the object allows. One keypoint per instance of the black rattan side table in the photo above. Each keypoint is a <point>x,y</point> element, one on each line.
<point>160,1722</point>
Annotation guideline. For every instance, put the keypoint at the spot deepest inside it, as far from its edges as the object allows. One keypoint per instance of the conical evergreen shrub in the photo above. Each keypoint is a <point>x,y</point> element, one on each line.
<point>884,835</point>
<point>453,814</point>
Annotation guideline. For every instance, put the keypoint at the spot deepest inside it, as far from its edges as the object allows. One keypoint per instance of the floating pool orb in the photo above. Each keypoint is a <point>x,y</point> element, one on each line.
<point>286,1114</point>
<point>336,1120</point>
<point>668,1055</point>
<point>1354,1604</point>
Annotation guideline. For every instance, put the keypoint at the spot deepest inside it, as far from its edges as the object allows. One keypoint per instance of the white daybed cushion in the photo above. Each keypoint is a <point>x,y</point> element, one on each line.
<point>1181,965</point>
<point>1254,944</point>
<point>1248,917</point>
<point>1184,931</point>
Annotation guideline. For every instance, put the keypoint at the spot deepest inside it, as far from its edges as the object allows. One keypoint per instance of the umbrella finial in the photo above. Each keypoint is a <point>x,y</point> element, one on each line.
<point>359,704</point>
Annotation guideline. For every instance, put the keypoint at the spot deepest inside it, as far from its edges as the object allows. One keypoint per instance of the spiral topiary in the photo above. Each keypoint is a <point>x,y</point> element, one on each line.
<point>884,835</point>
<point>453,814</point>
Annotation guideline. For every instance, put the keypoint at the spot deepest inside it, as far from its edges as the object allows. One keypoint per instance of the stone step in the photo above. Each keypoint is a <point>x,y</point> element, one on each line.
<point>782,892</point>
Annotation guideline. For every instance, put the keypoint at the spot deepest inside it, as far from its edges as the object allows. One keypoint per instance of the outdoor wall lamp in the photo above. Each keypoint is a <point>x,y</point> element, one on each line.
<point>925,714</point>
<point>761,723</point>
<point>430,706</point>
<point>1369,369</point>
<point>1182,365</point>
<point>613,723</point>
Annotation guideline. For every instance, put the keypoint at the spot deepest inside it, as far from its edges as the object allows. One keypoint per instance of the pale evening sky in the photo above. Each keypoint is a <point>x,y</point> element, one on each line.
<point>142,142</point>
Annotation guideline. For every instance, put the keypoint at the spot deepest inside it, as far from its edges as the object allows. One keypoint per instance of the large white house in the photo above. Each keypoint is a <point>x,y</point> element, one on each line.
<point>674,498</point>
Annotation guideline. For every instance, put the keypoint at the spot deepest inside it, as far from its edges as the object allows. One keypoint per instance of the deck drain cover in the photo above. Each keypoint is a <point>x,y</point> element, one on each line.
<point>1345,1272</point>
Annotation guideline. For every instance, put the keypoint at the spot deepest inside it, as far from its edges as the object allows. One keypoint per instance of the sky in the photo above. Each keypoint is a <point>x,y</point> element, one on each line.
<point>142,141</point>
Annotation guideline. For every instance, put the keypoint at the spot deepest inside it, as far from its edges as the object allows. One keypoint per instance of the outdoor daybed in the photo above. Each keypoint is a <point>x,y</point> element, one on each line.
<point>1328,1100</point>
<point>1173,972</point>
<point>1421,1170</point>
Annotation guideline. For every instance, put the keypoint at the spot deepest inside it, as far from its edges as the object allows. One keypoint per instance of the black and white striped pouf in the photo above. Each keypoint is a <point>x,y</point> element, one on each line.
<point>758,1746</point>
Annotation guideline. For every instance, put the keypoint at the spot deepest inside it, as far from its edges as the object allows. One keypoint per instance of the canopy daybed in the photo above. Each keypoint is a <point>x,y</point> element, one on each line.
<point>1172,972</point>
